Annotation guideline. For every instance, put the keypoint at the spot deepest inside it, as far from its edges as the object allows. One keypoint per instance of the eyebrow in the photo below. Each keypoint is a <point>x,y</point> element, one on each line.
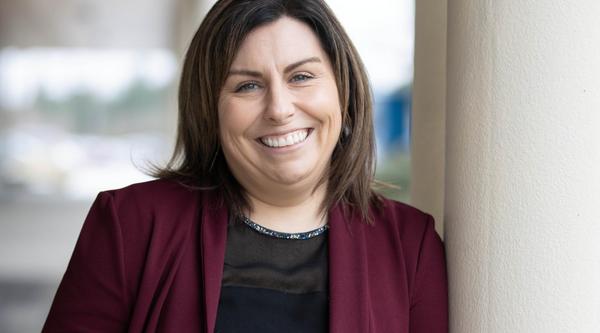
<point>286,70</point>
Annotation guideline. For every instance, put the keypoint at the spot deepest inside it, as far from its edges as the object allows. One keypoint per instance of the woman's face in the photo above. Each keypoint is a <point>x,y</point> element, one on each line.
<point>279,110</point>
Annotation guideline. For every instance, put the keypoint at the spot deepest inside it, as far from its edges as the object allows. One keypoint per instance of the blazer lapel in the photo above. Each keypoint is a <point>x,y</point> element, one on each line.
<point>349,306</point>
<point>214,238</point>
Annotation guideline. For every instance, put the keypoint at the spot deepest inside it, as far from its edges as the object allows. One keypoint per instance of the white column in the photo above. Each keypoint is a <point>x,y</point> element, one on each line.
<point>523,166</point>
<point>428,109</point>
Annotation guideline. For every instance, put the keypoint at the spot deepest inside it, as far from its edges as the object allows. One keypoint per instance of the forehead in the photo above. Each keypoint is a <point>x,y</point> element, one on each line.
<point>281,42</point>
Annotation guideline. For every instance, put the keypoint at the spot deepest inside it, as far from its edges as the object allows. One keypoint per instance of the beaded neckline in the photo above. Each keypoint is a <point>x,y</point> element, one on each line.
<point>284,235</point>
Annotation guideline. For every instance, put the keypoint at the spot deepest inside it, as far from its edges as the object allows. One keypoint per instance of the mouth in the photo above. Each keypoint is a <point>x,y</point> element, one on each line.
<point>287,139</point>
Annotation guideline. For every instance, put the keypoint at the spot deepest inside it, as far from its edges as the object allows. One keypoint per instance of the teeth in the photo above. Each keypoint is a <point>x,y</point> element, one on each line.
<point>285,140</point>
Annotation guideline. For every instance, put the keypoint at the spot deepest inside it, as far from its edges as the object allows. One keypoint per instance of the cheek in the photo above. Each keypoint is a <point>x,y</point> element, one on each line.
<point>234,120</point>
<point>326,106</point>
<point>230,129</point>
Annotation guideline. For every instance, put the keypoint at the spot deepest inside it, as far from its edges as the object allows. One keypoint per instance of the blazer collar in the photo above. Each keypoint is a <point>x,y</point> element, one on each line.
<point>348,274</point>
<point>214,237</point>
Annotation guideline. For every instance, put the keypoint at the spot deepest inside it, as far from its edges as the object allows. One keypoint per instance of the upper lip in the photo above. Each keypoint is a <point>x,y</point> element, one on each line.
<point>279,133</point>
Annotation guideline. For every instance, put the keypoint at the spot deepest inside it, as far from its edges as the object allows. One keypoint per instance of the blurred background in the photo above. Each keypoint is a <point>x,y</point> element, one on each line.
<point>88,99</point>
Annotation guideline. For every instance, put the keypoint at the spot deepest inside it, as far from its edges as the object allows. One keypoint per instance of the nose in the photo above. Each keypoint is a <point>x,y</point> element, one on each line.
<point>279,106</point>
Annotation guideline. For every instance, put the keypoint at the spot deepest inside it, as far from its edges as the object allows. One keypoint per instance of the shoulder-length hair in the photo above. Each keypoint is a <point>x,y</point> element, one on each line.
<point>197,158</point>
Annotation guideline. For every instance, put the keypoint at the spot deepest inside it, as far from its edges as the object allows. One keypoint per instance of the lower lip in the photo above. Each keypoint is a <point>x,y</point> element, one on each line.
<point>286,149</point>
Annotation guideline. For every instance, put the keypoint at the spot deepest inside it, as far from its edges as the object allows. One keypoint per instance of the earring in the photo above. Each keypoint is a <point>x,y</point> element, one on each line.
<point>346,131</point>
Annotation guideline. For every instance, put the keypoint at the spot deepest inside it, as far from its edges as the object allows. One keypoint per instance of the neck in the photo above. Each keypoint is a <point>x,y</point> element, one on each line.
<point>298,214</point>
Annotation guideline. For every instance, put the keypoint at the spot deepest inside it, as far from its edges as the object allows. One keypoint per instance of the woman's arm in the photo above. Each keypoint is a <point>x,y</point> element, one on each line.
<point>92,294</point>
<point>429,305</point>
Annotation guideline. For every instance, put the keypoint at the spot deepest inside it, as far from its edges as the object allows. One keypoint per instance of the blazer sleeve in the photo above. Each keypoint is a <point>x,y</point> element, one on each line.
<point>91,295</point>
<point>429,305</point>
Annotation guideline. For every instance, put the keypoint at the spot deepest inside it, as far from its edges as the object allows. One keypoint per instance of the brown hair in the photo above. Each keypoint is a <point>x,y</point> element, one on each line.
<point>197,159</point>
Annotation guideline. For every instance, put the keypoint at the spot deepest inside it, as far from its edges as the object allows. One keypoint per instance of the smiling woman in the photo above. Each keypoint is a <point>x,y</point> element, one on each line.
<point>279,122</point>
<point>265,219</point>
<point>238,55</point>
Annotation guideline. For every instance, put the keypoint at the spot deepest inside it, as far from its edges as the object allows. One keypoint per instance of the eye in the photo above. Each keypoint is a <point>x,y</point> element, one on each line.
<point>248,86</point>
<point>301,77</point>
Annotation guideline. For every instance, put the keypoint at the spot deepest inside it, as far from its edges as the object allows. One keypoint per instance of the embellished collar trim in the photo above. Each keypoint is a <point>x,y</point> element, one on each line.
<point>284,235</point>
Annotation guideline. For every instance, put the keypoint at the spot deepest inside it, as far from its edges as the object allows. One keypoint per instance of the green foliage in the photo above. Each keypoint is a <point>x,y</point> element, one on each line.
<point>395,171</point>
<point>137,108</point>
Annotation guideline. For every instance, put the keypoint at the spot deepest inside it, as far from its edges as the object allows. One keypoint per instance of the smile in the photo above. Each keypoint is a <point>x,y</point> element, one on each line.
<point>288,139</point>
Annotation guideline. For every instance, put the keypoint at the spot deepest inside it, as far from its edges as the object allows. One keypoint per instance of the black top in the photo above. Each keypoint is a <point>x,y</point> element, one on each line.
<point>273,282</point>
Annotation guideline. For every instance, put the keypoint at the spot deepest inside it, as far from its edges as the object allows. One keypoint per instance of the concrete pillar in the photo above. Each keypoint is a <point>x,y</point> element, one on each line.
<point>429,109</point>
<point>522,220</point>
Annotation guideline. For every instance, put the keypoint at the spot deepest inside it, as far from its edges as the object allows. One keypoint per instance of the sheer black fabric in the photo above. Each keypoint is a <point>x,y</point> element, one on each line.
<point>272,284</point>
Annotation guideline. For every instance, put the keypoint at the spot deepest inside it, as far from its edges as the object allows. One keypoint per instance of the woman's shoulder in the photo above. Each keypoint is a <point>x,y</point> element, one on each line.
<point>158,212</point>
<point>408,222</point>
<point>401,214</point>
<point>153,194</point>
<point>402,226</point>
<point>155,200</point>
<point>156,190</point>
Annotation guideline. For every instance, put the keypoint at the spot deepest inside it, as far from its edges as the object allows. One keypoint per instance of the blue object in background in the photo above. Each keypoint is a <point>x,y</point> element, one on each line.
<point>392,122</point>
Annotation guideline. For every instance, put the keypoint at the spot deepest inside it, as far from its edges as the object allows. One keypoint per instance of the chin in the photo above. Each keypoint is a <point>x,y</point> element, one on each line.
<point>292,177</point>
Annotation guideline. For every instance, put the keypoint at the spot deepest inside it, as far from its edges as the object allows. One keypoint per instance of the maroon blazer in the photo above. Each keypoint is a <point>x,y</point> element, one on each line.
<point>150,259</point>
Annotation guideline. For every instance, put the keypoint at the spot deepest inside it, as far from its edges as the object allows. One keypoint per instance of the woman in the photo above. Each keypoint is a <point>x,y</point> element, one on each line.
<point>264,220</point>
